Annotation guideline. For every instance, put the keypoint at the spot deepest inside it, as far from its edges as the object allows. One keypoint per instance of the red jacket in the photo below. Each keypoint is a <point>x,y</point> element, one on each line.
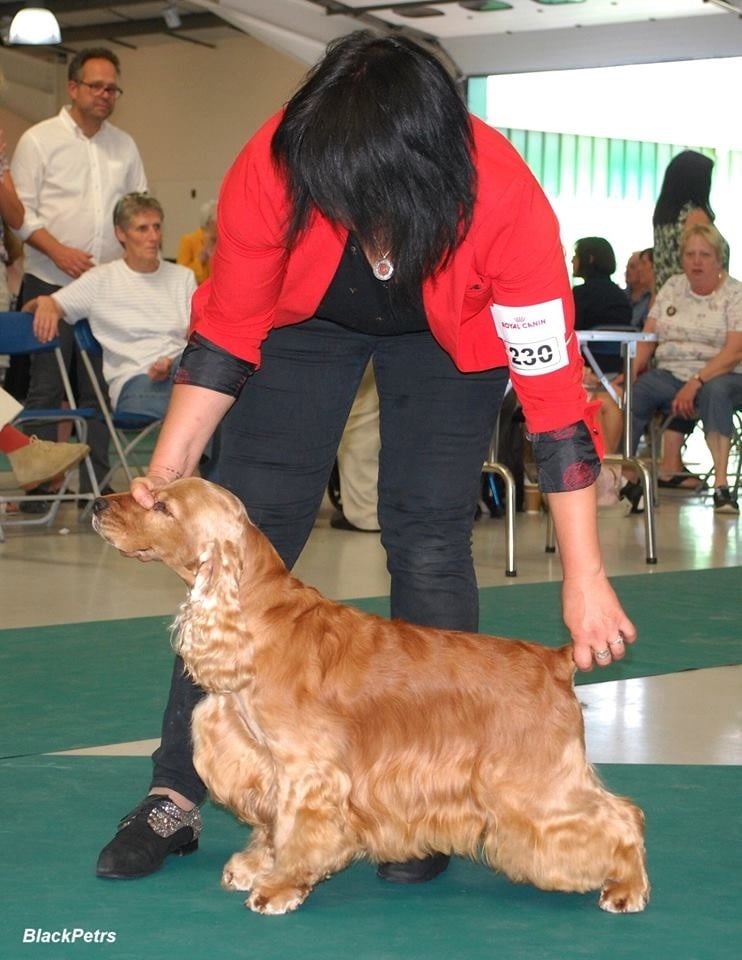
<point>512,256</point>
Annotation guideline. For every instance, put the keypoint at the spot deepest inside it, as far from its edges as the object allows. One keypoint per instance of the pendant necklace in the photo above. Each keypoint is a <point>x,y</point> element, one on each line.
<point>383,268</point>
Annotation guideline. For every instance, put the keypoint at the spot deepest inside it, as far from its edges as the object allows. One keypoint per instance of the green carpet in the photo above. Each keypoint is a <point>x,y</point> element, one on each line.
<point>106,682</point>
<point>57,812</point>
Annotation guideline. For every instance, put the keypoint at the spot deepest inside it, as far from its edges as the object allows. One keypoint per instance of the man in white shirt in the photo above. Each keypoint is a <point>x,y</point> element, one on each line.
<point>138,308</point>
<point>69,172</point>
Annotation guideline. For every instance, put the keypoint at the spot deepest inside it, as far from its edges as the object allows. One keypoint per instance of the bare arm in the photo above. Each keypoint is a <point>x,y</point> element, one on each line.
<point>696,216</point>
<point>592,612</point>
<point>11,208</point>
<point>645,349</point>
<point>192,417</point>
<point>729,357</point>
<point>47,314</point>
<point>69,260</point>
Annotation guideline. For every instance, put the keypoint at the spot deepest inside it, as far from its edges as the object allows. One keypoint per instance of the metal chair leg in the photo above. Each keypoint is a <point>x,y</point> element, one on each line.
<point>491,466</point>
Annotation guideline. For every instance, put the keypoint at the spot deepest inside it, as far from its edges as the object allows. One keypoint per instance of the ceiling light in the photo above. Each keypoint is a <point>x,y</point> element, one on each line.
<point>34,25</point>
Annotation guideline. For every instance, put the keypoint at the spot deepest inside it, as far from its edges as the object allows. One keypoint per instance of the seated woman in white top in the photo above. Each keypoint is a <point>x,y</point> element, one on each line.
<point>138,309</point>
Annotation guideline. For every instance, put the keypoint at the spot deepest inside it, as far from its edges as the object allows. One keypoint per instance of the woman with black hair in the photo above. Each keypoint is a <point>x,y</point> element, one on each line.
<point>374,220</point>
<point>684,200</point>
<point>598,301</point>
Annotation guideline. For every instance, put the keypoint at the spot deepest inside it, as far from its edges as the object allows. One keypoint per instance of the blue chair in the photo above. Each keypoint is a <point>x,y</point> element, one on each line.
<point>127,430</point>
<point>17,338</point>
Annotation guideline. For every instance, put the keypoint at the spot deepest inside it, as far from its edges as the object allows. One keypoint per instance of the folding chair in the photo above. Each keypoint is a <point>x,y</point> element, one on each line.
<point>736,450</point>
<point>17,337</point>
<point>127,430</point>
<point>659,427</point>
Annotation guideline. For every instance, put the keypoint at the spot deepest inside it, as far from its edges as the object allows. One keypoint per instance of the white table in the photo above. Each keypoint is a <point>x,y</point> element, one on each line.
<point>628,340</point>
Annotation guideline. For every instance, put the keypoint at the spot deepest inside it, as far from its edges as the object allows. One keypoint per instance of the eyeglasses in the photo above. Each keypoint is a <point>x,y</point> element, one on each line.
<point>99,89</point>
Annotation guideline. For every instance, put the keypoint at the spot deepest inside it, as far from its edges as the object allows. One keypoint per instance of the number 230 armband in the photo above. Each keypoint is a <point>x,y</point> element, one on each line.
<point>534,337</point>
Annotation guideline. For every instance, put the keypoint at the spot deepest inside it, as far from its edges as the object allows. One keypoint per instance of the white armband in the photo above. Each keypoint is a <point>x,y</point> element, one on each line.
<point>534,337</point>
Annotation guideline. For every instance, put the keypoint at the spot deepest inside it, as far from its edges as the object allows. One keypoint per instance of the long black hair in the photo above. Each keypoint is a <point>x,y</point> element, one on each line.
<point>687,180</point>
<point>378,139</point>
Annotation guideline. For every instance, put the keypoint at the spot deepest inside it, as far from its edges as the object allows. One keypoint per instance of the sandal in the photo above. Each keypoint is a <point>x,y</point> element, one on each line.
<point>678,482</point>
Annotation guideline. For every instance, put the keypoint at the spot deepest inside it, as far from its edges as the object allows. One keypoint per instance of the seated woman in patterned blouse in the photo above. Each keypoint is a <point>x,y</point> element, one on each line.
<point>698,355</point>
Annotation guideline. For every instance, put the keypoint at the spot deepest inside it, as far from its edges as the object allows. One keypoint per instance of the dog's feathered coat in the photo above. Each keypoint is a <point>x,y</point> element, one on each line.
<point>337,734</point>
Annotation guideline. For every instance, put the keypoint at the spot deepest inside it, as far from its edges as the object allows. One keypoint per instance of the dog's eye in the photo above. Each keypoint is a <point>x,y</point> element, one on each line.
<point>159,506</point>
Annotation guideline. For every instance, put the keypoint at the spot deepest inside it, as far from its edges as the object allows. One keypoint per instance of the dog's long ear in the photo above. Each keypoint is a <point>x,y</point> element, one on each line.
<point>219,571</point>
<point>209,633</point>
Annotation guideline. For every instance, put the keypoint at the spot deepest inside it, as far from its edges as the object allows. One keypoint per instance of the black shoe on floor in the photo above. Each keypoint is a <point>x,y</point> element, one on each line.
<point>633,491</point>
<point>724,502</point>
<point>338,521</point>
<point>155,828</point>
<point>414,871</point>
<point>36,506</point>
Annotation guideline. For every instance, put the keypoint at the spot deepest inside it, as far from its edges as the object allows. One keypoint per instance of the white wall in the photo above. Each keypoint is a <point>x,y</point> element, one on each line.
<point>190,110</point>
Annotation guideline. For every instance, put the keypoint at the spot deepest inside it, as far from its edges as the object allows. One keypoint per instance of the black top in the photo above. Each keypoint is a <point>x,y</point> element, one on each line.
<point>357,300</point>
<point>599,302</point>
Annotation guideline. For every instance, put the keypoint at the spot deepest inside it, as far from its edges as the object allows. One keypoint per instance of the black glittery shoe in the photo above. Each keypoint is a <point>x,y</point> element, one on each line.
<point>155,828</point>
<point>414,871</point>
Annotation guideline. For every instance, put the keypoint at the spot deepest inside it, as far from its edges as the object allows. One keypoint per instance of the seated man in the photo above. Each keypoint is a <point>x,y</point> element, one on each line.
<point>640,285</point>
<point>138,309</point>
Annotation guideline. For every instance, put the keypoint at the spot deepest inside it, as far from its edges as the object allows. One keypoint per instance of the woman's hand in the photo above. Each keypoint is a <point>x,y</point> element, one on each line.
<point>144,489</point>
<point>47,314</point>
<point>599,627</point>
<point>684,401</point>
<point>595,619</point>
<point>160,369</point>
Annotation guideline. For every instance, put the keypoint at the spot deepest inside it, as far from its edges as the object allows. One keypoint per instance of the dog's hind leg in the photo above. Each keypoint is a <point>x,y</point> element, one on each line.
<point>626,887</point>
<point>591,840</point>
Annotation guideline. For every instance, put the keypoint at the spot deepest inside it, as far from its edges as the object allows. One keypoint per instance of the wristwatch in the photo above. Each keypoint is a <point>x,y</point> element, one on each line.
<point>697,376</point>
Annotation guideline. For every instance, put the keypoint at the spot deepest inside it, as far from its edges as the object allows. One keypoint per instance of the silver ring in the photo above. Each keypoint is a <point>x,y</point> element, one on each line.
<point>614,643</point>
<point>602,654</point>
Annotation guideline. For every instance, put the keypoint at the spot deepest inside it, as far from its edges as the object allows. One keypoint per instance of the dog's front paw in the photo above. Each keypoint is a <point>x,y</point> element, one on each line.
<point>242,869</point>
<point>623,898</point>
<point>273,901</point>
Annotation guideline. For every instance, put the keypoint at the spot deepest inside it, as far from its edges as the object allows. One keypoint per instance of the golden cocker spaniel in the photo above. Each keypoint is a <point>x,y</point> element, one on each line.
<point>338,735</point>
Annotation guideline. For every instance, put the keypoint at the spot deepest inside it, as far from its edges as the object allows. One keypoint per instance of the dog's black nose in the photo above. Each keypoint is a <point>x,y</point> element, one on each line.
<point>99,505</point>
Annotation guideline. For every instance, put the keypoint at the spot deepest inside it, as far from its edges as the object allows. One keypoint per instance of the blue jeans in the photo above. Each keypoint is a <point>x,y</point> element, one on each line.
<point>278,445</point>
<point>716,401</point>
<point>144,396</point>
